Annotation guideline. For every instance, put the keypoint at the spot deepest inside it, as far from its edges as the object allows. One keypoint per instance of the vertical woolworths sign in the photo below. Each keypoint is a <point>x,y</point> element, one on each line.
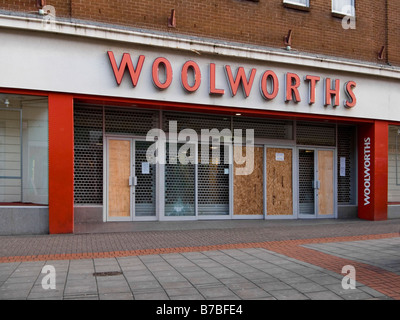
<point>372,170</point>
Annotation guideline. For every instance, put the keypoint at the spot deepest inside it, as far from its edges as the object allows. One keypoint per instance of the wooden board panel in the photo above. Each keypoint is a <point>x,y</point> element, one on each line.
<point>325,176</point>
<point>119,162</point>
<point>279,181</point>
<point>248,189</point>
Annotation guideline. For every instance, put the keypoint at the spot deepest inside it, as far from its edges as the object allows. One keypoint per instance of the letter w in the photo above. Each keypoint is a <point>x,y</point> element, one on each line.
<point>240,78</point>
<point>126,62</point>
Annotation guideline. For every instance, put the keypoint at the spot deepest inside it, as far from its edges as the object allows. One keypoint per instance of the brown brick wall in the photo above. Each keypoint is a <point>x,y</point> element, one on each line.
<point>262,23</point>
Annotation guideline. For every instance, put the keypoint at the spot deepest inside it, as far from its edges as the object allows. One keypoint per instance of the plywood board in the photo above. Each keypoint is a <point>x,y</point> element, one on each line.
<point>119,162</point>
<point>248,189</point>
<point>279,181</point>
<point>325,176</point>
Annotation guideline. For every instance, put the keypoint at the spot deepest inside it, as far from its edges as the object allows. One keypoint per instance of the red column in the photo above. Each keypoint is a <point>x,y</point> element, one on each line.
<point>373,170</point>
<point>61,163</point>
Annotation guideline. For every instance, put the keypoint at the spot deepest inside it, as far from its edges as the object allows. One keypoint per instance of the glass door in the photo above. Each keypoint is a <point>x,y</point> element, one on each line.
<point>144,183</point>
<point>306,183</point>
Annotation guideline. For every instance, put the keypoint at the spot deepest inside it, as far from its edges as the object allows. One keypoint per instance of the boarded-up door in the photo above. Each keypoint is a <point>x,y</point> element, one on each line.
<point>248,189</point>
<point>279,182</point>
<point>326,182</point>
<point>119,163</point>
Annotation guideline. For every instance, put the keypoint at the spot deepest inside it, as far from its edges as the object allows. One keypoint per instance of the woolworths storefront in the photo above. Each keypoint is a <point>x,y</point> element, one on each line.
<point>144,127</point>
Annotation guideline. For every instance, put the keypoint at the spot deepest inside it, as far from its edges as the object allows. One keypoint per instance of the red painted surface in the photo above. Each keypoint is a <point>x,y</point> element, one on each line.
<point>61,163</point>
<point>352,100</point>
<point>269,74</point>
<point>240,78</point>
<point>312,86</point>
<point>168,73</point>
<point>373,170</point>
<point>126,63</point>
<point>213,89</point>
<point>332,92</point>
<point>197,76</point>
<point>292,85</point>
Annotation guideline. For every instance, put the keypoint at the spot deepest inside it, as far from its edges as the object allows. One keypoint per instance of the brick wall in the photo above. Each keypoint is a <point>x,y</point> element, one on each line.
<point>263,22</point>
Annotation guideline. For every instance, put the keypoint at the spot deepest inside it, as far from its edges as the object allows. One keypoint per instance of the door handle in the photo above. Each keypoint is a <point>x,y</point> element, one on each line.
<point>316,184</point>
<point>132,181</point>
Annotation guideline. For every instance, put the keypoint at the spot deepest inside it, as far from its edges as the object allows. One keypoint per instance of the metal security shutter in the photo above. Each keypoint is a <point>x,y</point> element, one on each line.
<point>88,155</point>
<point>213,185</point>
<point>130,121</point>
<point>306,179</point>
<point>315,134</point>
<point>346,149</point>
<point>213,182</point>
<point>264,128</point>
<point>196,121</point>
<point>179,187</point>
<point>145,191</point>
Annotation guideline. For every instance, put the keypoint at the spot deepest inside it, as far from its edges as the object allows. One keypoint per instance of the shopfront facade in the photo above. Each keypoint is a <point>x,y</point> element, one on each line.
<point>79,107</point>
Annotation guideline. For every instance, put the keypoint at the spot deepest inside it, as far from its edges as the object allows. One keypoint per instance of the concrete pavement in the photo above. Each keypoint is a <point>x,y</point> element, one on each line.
<point>277,261</point>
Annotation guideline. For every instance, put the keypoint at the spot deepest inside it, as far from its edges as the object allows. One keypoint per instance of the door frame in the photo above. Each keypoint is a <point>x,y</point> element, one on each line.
<point>316,214</point>
<point>132,216</point>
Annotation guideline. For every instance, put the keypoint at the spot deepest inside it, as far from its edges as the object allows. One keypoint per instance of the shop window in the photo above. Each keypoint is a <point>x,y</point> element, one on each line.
<point>394,164</point>
<point>343,7</point>
<point>23,149</point>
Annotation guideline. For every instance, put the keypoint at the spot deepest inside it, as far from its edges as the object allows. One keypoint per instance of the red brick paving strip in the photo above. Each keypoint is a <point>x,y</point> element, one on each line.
<point>376,278</point>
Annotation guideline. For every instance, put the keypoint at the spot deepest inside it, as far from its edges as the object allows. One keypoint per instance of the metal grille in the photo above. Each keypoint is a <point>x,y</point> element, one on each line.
<point>345,149</point>
<point>130,121</point>
<point>196,121</point>
<point>179,187</point>
<point>88,150</point>
<point>306,179</point>
<point>263,128</point>
<point>315,134</point>
<point>145,204</point>
<point>213,185</point>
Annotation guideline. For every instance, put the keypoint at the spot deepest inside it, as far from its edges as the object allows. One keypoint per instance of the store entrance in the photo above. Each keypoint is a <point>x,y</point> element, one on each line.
<point>316,183</point>
<point>131,180</point>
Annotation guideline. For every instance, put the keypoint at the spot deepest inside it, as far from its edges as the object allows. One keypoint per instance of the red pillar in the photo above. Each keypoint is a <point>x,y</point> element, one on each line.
<point>61,163</point>
<point>373,170</point>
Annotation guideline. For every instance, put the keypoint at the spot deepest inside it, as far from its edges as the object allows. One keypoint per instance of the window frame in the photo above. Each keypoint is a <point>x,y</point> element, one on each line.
<point>344,14</point>
<point>296,3</point>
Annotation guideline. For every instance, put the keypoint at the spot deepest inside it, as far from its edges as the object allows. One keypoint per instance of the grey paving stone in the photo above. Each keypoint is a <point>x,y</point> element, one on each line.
<point>144,285</point>
<point>323,295</point>
<point>326,279</point>
<point>116,296</point>
<point>358,295</point>
<point>151,296</point>
<point>177,284</point>
<point>215,292</point>
<point>273,286</point>
<point>288,295</point>
<point>181,291</point>
<point>338,289</point>
<point>82,297</point>
<point>113,287</point>
<point>250,293</point>
<point>305,287</point>
<point>188,297</point>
